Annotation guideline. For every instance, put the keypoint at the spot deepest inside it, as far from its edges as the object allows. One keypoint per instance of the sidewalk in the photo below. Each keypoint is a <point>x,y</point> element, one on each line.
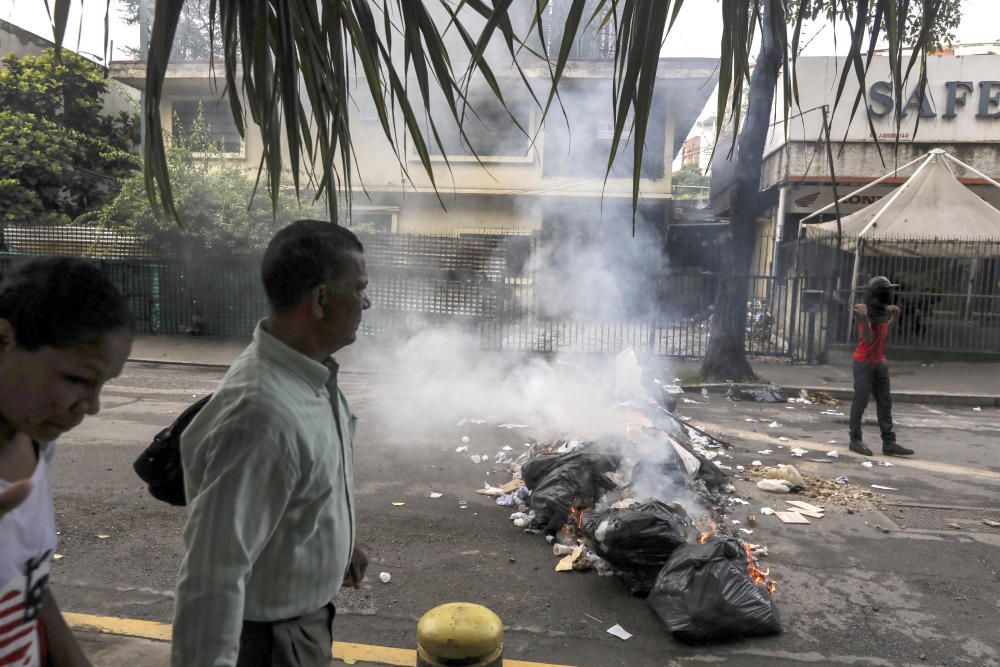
<point>944,383</point>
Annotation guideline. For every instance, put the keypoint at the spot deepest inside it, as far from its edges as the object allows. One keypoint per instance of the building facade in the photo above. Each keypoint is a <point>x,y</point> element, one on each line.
<point>547,176</point>
<point>958,111</point>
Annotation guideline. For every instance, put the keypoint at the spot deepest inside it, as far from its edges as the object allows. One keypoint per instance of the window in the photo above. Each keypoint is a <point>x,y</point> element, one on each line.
<point>208,123</point>
<point>490,131</point>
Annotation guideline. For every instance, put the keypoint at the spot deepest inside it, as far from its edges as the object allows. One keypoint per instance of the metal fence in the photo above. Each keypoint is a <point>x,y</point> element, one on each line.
<point>477,282</point>
<point>949,295</point>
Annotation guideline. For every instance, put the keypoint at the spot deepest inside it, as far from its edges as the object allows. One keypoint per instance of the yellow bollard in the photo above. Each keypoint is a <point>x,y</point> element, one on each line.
<point>460,633</point>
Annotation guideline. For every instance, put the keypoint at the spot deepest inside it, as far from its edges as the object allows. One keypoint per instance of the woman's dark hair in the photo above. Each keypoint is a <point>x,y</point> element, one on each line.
<point>303,255</point>
<point>61,301</point>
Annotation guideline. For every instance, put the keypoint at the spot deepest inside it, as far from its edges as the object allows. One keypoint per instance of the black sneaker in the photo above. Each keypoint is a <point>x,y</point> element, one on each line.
<point>859,447</point>
<point>892,449</point>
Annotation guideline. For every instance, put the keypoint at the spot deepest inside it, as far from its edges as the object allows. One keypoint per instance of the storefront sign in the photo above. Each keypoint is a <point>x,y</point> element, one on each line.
<point>956,95</point>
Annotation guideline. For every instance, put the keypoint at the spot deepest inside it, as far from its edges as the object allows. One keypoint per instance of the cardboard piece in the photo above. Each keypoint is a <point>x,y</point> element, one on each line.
<point>809,513</point>
<point>512,485</point>
<point>566,563</point>
<point>801,504</point>
<point>791,517</point>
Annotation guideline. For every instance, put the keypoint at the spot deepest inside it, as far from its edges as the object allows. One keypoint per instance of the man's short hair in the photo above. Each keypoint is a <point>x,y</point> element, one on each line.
<point>303,255</point>
<point>60,302</point>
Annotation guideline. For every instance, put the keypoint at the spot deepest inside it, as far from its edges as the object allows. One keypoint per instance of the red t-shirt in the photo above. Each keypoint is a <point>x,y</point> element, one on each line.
<point>873,352</point>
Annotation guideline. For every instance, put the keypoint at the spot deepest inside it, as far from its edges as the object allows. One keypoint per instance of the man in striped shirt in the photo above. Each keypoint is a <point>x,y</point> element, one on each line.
<point>268,468</point>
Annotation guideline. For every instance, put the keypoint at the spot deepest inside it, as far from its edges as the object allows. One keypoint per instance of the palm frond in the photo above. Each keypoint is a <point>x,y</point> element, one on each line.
<point>292,66</point>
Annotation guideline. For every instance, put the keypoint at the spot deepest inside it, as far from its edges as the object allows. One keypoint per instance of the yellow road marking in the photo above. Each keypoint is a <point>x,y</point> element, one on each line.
<point>814,447</point>
<point>342,651</point>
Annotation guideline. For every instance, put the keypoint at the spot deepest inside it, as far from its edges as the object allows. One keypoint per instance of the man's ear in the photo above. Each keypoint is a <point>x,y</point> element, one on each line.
<point>319,299</point>
<point>7,337</point>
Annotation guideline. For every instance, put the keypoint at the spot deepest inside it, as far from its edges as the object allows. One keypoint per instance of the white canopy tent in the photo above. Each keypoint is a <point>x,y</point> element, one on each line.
<point>932,204</point>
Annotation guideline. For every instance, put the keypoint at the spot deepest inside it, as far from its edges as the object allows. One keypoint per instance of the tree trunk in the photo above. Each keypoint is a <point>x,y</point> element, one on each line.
<point>726,358</point>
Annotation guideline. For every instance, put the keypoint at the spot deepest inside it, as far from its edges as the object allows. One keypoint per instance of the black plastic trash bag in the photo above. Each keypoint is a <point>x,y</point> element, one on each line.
<point>769,394</point>
<point>559,482</point>
<point>704,593</point>
<point>637,541</point>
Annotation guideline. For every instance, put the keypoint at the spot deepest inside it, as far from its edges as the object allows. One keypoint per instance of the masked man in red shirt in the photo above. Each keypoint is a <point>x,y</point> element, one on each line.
<point>871,372</point>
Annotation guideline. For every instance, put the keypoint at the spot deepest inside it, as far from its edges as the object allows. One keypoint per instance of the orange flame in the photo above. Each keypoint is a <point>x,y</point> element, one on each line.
<point>757,575</point>
<point>707,533</point>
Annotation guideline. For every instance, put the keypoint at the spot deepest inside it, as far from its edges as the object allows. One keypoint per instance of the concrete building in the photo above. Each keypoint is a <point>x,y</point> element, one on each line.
<point>549,177</point>
<point>958,112</point>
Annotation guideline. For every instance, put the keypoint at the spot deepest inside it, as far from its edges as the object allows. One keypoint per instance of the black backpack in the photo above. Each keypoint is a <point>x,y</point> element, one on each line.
<point>160,464</point>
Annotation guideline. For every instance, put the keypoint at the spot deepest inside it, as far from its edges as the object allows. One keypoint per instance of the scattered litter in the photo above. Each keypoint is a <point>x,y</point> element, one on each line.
<point>791,517</point>
<point>774,425</point>
<point>520,519</point>
<point>569,562</point>
<point>740,468</point>
<point>398,504</point>
<point>831,442</point>
<point>833,413</point>
<point>977,409</point>
<point>992,524</point>
<point>57,556</point>
<point>466,440</point>
<point>459,450</point>
<point>490,490</point>
<point>619,631</point>
<point>788,474</point>
<point>561,549</point>
<point>798,451</point>
<point>771,394</point>
<point>568,447</point>
<point>833,454</point>
<point>740,501</point>
<point>884,488</point>
<point>765,451</point>
<point>746,531</point>
<point>866,464</point>
<point>842,480</point>
<point>774,486</point>
<point>462,504</point>
<point>704,392</point>
<point>477,421</point>
<point>801,504</point>
<point>749,419</point>
<point>476,458</point>
<point>103,537</point>
<point>886,464</point>
<point>756,463</point>
<point>435,494</point>
<point>512,426</point>
<point>955,526</point>
<point>508,448</point>
<point>809,513</point>
<point>766,511</point>
<point>385,577</point>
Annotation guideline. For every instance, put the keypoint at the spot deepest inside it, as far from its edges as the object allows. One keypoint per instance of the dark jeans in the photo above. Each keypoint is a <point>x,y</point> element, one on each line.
<point>872,380</point>
<point>306,641</point>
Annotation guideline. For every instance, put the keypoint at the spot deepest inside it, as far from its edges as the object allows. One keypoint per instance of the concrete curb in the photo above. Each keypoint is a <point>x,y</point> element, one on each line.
<point>937,398</point>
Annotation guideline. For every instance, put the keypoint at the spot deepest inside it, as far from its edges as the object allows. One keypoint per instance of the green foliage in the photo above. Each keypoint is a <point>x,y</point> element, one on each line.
<point>193,41</point>
<point>944,17</point>
<point>690,174</point>
<point>61,156</point>
<point>211,194</point>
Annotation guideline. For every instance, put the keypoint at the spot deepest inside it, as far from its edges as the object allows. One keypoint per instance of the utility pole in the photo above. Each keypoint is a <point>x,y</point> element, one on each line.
<point>145,18</point>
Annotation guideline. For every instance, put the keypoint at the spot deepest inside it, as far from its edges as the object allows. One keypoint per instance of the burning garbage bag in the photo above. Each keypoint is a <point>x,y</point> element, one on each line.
<point>560,482</point>
<point>770,394</point>
<point>637,540</point>
<point>705,592</point>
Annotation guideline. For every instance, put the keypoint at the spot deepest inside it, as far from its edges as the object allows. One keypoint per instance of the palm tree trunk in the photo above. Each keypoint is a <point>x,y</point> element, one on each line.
<point>726,358</point>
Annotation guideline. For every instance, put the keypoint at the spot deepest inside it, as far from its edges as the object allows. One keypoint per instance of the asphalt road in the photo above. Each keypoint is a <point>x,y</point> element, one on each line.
<point>849,593</point>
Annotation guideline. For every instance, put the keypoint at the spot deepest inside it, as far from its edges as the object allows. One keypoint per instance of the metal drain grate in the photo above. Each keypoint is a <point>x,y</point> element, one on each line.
<point>911,516</point>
